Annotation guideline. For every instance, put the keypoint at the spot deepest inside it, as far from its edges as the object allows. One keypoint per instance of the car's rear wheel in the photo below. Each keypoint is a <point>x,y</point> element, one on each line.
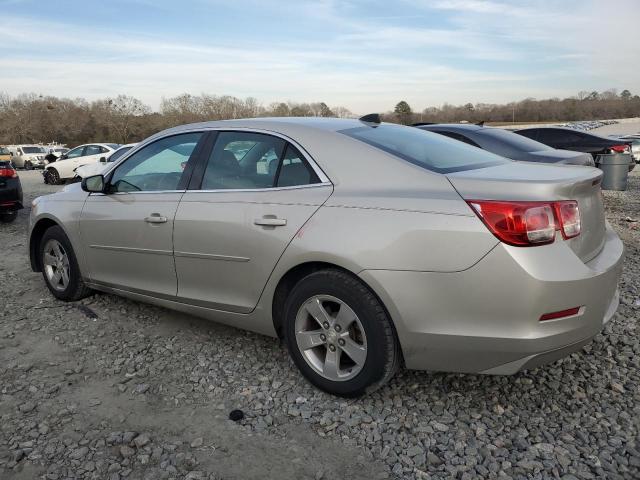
<point>54,177</point>
<point>8,217</point>
<point>28,165</point>
<point>60,267</point>
<point>339,334</point>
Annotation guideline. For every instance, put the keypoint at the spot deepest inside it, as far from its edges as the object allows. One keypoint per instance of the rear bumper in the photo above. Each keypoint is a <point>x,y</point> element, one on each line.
<point>486,319</point>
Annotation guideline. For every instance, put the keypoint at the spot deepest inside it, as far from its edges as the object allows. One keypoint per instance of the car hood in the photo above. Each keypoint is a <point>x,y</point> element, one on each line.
<point>563,156</point>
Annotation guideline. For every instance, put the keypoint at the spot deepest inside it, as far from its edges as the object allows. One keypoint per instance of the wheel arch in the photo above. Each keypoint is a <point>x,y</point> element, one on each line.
<point>37,232</point>
<point>292,276</point>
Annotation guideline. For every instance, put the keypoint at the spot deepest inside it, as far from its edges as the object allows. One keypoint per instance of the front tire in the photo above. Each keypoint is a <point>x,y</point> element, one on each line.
<point>60,266</point>
<point>339,334</point>
<point>28,166</point>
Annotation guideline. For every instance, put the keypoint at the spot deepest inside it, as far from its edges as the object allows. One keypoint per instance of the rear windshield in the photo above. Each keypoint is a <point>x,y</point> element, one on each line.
<point>425,149</point>
<point>32,149</point>
<point>115,146</point>
<point>517,141</point>
<point>4,151</point>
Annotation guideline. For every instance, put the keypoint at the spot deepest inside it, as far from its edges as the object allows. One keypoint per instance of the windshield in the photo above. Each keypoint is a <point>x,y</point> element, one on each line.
<point>425,149</point>
<point>61,150</point>
<point>115,146</point>
<point>4,151</point>
<point>118,153</point>
<point>33,149</point>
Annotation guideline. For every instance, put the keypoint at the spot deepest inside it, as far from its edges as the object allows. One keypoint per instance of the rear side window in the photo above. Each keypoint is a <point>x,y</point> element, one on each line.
<point>92,150</point>
<point>247,161</point>
<point>425,149</point>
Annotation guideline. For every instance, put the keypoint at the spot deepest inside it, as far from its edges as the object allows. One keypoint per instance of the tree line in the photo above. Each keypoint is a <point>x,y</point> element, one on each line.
<point>32,118</point>
<point>583,106</point>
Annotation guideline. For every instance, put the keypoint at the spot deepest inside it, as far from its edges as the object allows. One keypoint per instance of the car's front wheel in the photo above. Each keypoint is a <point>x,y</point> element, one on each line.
<point>60,266</point>
<point>339,334</point>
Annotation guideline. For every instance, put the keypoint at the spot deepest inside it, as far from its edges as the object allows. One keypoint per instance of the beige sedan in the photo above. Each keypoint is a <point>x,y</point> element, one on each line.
<point>365,245</point>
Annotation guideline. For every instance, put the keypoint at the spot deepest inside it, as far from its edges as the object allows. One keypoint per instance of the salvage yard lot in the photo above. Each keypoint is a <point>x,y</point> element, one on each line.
<point>109,388</point>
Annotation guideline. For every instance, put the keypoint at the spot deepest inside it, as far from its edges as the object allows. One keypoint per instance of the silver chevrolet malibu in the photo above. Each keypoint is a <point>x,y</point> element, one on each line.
<point>364,245</point>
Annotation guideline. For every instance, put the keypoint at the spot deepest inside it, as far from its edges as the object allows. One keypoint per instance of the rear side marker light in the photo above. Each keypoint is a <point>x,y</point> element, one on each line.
<point>561,314</point>
<point>526,224</point>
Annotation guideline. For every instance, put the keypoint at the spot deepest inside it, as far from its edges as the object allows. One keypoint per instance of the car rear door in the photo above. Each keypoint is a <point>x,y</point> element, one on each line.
<point>246,202</point>
<point>127,232</point>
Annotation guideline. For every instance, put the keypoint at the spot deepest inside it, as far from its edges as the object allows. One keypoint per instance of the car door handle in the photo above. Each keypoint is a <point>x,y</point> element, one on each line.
<point>270,222</point>
<point>155,218</point>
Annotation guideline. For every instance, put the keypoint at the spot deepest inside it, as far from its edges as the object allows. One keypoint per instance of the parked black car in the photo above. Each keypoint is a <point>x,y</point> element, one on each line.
<point>10,192</point>
<point>507,144</point>
<point>568,139</point>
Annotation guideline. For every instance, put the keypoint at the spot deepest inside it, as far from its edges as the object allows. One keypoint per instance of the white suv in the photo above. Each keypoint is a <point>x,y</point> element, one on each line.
<point>27,156</point>
<point>64,168</point>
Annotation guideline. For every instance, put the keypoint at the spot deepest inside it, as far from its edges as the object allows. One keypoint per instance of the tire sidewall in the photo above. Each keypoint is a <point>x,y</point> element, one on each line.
<point>349,291</point>
<point>56,233</point>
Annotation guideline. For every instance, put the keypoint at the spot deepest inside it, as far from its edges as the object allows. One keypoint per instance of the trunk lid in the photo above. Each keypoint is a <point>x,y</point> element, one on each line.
<point>516,181</point>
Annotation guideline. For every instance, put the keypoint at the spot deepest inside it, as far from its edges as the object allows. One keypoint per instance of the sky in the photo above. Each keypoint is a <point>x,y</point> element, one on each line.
<point>364,55</point>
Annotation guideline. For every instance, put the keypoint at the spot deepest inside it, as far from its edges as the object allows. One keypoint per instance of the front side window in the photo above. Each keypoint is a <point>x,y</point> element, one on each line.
<point>425,149</point>
<point>156,167</point>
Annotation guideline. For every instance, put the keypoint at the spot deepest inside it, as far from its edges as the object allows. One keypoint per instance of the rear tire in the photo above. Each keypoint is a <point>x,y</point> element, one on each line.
<point>28,166</point>
<point>8,217</point>
<point>60,268</point>
<point>348,345</point>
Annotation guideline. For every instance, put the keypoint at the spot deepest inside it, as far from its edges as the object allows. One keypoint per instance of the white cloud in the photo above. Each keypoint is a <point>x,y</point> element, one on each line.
<point>364,63</point>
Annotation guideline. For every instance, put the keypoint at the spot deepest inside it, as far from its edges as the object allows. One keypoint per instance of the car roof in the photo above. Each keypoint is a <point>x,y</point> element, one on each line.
<point>277,124</point>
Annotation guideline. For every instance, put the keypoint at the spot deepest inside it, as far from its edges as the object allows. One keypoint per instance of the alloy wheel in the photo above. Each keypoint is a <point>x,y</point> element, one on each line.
<point>331,337</point>
<point>56,265</point>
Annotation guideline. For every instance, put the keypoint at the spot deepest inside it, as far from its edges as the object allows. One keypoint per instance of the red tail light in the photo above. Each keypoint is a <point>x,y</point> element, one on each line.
<point>620,148</point>
<point>525,224</point>
<point>8,173</point>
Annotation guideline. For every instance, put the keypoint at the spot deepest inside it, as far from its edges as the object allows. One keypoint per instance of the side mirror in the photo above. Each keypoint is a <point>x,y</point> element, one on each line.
<point>103,160</point>
<point>63,157</point>
<point>93,184</point>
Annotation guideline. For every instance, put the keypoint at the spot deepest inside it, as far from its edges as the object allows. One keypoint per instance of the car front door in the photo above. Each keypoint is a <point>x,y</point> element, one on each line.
<point>244,205</point>
<point>127,232</point>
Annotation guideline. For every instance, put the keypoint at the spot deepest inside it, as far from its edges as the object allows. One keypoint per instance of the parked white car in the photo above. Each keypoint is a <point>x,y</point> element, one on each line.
<point>97,168</point>
<point>64,167</point>
<point>27,156</point>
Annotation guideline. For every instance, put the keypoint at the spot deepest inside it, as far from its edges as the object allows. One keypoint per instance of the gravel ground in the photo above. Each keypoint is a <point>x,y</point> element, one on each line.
<point>110,389</point>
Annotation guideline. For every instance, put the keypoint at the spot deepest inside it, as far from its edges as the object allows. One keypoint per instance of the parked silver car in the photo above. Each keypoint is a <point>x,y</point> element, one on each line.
<point>364,245</point>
